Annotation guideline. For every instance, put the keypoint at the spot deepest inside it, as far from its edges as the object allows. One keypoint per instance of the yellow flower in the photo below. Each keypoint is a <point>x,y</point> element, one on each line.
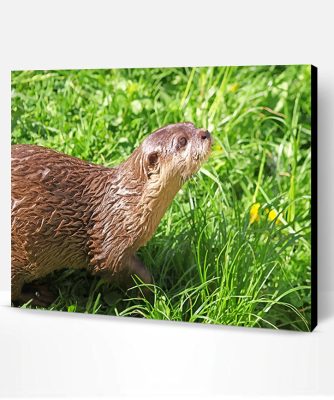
<point>254,213</point>
<point>218,147</point>
<point>233,87</point>
<point>272,215</point>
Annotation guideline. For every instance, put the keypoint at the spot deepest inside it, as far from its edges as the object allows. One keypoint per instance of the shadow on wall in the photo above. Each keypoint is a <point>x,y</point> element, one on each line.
<point>325,198</point>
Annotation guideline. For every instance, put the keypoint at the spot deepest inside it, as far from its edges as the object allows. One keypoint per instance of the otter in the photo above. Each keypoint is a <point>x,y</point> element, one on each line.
<point>69,213</point>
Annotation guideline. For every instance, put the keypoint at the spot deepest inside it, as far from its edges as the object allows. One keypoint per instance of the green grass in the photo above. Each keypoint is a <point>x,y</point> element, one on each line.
<point>210,264</point>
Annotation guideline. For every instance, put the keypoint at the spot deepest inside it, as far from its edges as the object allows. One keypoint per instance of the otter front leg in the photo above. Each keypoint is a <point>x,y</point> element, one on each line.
<point>136,267</point>
<point>38,294</point>
<point>124,278</point>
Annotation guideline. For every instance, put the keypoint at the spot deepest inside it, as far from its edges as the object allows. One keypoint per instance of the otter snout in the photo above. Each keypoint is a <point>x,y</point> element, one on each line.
<point>205,138</point>
<point>204,135</point>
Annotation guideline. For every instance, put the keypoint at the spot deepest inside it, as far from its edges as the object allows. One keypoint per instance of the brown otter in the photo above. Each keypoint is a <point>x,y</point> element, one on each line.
<point>70,213</point>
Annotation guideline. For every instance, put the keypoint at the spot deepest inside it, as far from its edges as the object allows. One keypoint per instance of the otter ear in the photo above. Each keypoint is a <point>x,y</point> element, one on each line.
<point>152,162</point>
<point>153,159</point>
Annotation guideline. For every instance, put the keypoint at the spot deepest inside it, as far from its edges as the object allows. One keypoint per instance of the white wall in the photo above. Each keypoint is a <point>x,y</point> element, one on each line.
<point>76,355</point>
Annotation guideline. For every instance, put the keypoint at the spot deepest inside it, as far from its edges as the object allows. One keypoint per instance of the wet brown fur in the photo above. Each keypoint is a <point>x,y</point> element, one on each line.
<point>70,213</point>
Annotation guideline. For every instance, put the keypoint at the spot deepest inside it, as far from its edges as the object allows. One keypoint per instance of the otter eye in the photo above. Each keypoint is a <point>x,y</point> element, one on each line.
<point>182,141</point>
<point>153,158</point>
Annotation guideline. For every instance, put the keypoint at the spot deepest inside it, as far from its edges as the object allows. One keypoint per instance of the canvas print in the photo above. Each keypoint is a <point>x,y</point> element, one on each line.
<point>182,194</point>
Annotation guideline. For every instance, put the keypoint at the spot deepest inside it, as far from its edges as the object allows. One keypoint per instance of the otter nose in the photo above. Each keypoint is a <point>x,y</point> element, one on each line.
<point>204,135</point>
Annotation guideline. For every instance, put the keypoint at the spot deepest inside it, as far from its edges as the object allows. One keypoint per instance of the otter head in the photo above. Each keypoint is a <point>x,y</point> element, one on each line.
<point>172,154</point>
<point>161,164</point>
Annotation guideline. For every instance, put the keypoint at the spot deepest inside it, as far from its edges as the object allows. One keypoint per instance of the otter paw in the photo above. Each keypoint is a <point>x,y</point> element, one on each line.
<point>40,295</point>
